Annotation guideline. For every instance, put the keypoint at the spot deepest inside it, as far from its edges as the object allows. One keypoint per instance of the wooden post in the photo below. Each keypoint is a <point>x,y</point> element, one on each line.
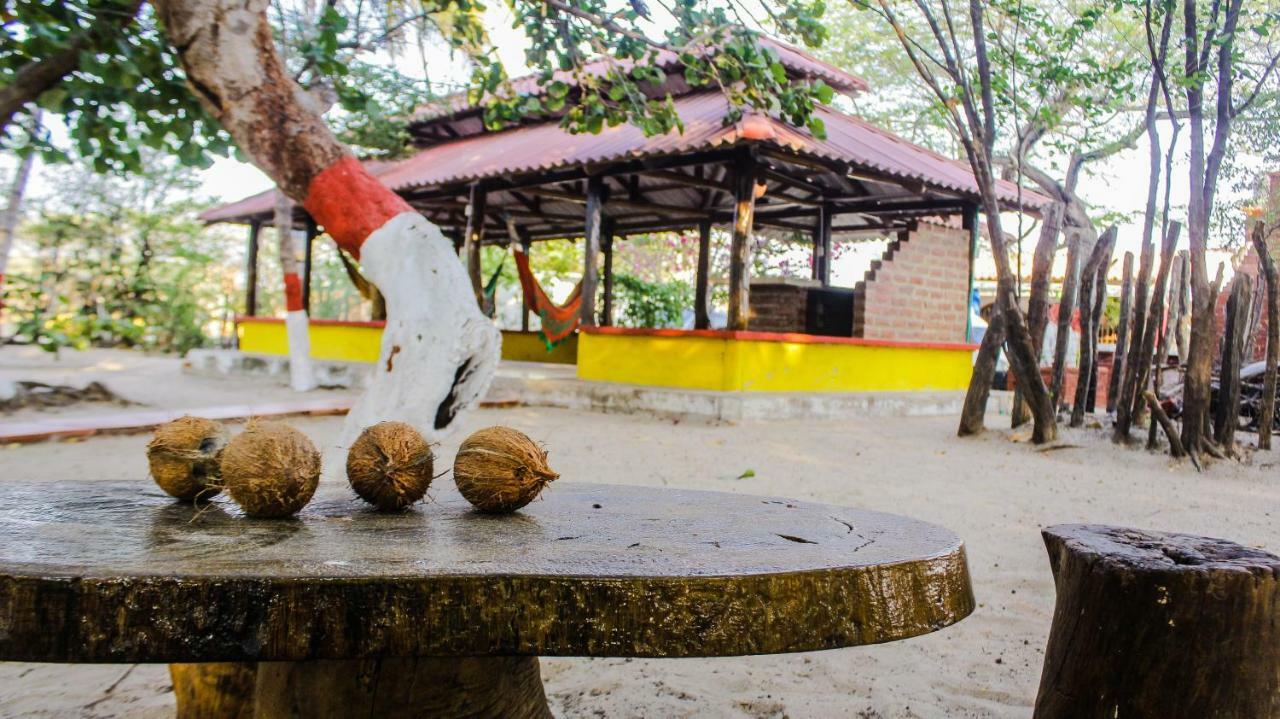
<point>1099,308</point>
<point>251,271</point>
<point>524,301</point>
<point>606,317</point>
<point>1154,624</point>
<point>591,249</point>
<point>1088,330</point>
<point>822,246</point>
<point>744,195</point>
<point>306,264</point>
<point>970,224</point>
<point>474,238</point>
<point>1266,413</point>
<point>1122,332</point>
<point>217,690</point>
<point>1038,298</point>
<point>1227,412</point>
<point>701,294</point>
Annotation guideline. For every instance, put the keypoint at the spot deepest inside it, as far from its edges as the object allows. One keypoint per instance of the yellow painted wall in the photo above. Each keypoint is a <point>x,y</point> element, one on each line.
<point>719,363</point>
<point>361,343</point>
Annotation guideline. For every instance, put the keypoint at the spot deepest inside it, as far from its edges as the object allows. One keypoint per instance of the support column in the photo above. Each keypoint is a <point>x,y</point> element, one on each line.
<point>251,271</point>
<point>970,224</point>
<point>306,264</point>
<point>524,300</point>
<point>822,246</point>
<point>606,317</point>
<point>474,238</point>
<point>701,306</point>
<point>744,185</point>
<point>591,249</point>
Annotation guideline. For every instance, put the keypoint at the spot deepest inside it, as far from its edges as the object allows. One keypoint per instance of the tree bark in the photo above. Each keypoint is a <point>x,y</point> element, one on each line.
<point>1122,333</point>
<point>439,352</point>
<point>448,688</point>
<point>221,690</point>
<point>1181,334</point>
<point>973,413</point>
<point>1227,412</point>
<point>1151,328</point>
<point>1154,624</point>
<point>1266,414</point>
<point>1038,299</point>
<point>1066,308</point>
<point>1088,332</point>
<point>1170,431</point>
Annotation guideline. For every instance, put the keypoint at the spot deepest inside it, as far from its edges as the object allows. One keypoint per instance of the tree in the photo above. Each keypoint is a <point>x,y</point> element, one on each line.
<point>952,58</point>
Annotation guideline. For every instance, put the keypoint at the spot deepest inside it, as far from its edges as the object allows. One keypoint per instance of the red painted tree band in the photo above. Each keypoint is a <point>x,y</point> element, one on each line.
<point>292,292</point>
<point>350,203</point>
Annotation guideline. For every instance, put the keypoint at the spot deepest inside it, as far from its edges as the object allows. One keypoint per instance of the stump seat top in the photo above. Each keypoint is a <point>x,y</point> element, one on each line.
<point>108,571</point>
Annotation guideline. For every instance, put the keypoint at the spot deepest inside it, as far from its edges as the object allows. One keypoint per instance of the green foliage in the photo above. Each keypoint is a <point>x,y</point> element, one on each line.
<point>122,263</point>
<point>650,304</point>
<point>127,94</point>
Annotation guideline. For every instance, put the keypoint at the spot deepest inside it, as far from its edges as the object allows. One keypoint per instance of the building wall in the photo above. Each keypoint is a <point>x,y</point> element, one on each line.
<point>778,305</point>
<point>918,291</point>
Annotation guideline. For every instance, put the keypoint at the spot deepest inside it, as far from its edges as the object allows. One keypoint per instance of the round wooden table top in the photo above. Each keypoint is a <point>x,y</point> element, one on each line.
<point>119,572</point>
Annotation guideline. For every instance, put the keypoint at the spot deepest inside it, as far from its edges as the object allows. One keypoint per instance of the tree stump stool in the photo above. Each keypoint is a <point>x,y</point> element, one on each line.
<point>440,611</point>
<point>1160,626</point>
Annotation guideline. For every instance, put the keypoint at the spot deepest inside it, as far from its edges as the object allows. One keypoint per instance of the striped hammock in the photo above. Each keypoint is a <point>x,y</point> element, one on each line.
<point>558,321</point>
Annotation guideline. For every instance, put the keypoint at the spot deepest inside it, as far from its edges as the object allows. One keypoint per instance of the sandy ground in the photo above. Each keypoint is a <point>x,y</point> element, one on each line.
<point>993,491</point>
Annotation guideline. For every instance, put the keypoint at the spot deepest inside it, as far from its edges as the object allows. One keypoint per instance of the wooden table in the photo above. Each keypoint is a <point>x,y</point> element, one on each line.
<point>441,611</point>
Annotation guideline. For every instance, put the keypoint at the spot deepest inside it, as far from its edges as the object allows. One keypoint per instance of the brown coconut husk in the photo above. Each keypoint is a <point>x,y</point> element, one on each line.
<point>499,469</point>
<point>389,465</point>
<point>184,457</point>
<point>270,469</point>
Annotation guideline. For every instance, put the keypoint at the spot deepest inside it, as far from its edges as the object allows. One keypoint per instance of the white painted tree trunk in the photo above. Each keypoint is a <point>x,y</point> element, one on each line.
<point>13,207</point>
<point>302,376</point>
<point>438,351</point>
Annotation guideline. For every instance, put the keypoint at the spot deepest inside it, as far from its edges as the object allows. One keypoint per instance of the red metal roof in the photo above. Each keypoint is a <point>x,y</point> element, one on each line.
<point>546,147</point>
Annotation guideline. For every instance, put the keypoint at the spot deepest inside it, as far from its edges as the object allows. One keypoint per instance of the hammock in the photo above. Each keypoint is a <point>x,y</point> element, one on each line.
<point>558,321</point>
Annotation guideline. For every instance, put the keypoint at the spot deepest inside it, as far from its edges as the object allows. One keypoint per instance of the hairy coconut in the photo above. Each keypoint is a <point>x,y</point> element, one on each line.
<point>389,465</point>
<point>270,469</point>
<point>184,457</point>
<point>499,469</point>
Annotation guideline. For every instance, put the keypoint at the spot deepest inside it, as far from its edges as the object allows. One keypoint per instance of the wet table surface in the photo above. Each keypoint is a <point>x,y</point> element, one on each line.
<point>119,572</point>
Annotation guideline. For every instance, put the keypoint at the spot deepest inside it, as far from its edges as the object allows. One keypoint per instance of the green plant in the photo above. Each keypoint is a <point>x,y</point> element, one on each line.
<point>650,304</point>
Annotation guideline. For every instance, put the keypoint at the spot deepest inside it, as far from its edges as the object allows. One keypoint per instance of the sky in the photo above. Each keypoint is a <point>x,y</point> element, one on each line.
<point>1118,184</point>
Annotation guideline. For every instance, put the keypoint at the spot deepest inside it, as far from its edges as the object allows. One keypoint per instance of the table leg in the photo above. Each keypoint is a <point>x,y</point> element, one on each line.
<point>221,690</point>
<point>454,688</point>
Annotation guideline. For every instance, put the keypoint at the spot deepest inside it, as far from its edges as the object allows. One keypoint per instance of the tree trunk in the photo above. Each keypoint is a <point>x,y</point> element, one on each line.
<point>302,376</point>
<point>221,690</point>
<point>1038,300</point>
<point>1151,327</point>
<point>1132,385</point>
<point>1181,334</point>
<point>975,399</point>
<point>1122,333</point>
<point>438,351</point>
<point>1154,624</point>
<point>1266,414</point>
<point>1066,308</point>
<point>448,688</point>
<point>1159,417</point>
<point>1099,310</point>
<point>1088,332</point>
<point>1227,412</point>
<point>13,208</point>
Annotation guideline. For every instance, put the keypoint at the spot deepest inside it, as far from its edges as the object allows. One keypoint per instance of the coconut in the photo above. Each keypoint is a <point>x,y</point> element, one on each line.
<point>270,469</point>
<point>389,465</point>
<point>184,457</point>
<point>499,469</point>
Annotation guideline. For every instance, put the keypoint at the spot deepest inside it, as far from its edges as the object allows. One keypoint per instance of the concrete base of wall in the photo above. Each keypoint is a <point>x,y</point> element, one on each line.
<point>553,385</point>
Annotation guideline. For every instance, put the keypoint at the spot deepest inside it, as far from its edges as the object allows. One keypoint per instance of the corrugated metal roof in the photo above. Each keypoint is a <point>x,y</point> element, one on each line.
<point>546,147</point>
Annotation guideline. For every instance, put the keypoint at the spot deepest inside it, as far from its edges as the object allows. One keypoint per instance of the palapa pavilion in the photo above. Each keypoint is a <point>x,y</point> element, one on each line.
<point>903,327</point>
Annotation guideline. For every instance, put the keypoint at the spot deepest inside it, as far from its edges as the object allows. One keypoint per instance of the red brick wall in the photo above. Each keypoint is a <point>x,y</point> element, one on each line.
<point>778,307</point>
<point>918,291</point>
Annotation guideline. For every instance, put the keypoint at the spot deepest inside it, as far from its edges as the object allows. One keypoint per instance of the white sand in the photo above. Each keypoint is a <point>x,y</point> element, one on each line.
<point>994,492</point>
